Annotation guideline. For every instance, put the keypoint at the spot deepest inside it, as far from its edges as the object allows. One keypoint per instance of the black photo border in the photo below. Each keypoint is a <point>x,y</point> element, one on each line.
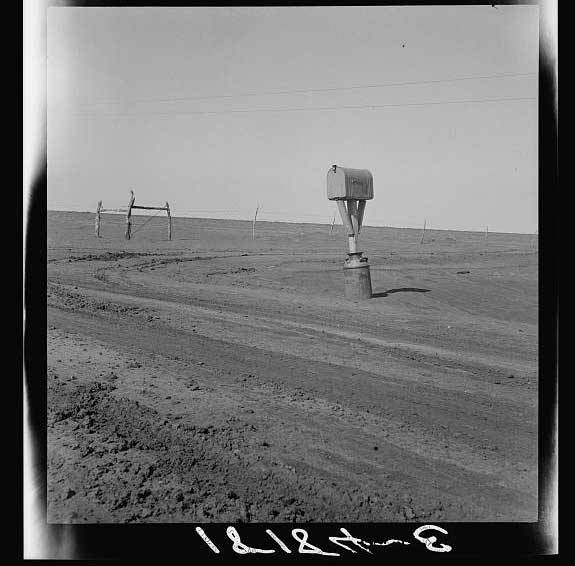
<point>167,541</point>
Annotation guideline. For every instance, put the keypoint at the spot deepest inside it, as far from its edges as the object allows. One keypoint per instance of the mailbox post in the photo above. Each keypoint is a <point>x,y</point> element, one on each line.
<point>351,189</point>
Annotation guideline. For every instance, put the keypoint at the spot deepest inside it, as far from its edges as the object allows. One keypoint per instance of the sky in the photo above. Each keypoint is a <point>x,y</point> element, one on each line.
<point>221,110</point>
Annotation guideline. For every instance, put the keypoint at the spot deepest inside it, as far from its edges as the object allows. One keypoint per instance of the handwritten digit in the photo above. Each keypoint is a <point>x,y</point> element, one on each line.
<point>428,541</point>
<point>307,548</point>
<point>240,547</point>
<point>348,538</point>
<point>207,540</point>
<point>281,544</point>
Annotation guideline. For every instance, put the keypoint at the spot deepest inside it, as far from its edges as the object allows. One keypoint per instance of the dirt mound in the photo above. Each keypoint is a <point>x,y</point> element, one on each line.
<point>65,298</point>
<point>108,256</point>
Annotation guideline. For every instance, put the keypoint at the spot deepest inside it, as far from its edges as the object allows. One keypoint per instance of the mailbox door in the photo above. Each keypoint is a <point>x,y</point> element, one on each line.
<point>358,184</point>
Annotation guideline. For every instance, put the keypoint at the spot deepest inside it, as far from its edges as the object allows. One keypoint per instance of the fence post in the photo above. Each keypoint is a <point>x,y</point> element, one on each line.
<point>254,224</point>
<point>128,233</point>
<point>97,227</point>
<point>169,221</point>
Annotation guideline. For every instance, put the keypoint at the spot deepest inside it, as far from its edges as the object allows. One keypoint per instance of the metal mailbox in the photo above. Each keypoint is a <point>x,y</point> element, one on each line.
<point>344,183</point>
<point>351,189</point>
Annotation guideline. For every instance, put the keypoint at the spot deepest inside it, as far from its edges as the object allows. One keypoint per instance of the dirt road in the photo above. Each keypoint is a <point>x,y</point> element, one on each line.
<point>216,378</point>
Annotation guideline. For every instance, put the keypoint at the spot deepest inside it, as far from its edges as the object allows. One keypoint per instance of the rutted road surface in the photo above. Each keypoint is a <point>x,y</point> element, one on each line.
<point>236,384</point>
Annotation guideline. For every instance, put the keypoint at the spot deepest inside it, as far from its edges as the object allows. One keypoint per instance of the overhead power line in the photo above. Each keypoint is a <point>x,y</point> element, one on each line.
<point>308,108</point>
<point>308,90</point>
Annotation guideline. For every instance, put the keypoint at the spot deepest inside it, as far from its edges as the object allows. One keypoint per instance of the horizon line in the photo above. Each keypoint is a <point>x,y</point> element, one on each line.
<point>427,228</point>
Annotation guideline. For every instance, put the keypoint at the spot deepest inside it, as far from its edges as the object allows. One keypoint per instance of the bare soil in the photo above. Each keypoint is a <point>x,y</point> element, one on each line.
<point>216,378</point>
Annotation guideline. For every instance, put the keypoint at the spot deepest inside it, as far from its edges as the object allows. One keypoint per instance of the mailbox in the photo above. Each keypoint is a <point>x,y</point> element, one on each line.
<point>351,189</point>
<point>344,183</point>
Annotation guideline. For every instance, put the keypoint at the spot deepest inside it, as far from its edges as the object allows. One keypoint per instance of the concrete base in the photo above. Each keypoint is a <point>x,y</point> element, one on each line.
<point>357,277</point>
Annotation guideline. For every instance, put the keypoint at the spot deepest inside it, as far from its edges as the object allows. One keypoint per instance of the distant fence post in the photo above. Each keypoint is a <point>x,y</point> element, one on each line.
<point>97,227</point>
<point>128,233</point>
<point>254,224</point>
<point>169,221</point>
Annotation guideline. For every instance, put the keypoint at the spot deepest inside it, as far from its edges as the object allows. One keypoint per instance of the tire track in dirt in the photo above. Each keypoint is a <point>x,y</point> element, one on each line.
<point>131,464</point>
<point>462,371</point>
<point>225,359</point>
<point>167,286</point>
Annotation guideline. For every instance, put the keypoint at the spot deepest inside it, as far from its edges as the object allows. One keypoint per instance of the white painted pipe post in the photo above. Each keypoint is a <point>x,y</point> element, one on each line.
<point>344,213</point>
<point>360,213</point>
<point>352,209</point>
